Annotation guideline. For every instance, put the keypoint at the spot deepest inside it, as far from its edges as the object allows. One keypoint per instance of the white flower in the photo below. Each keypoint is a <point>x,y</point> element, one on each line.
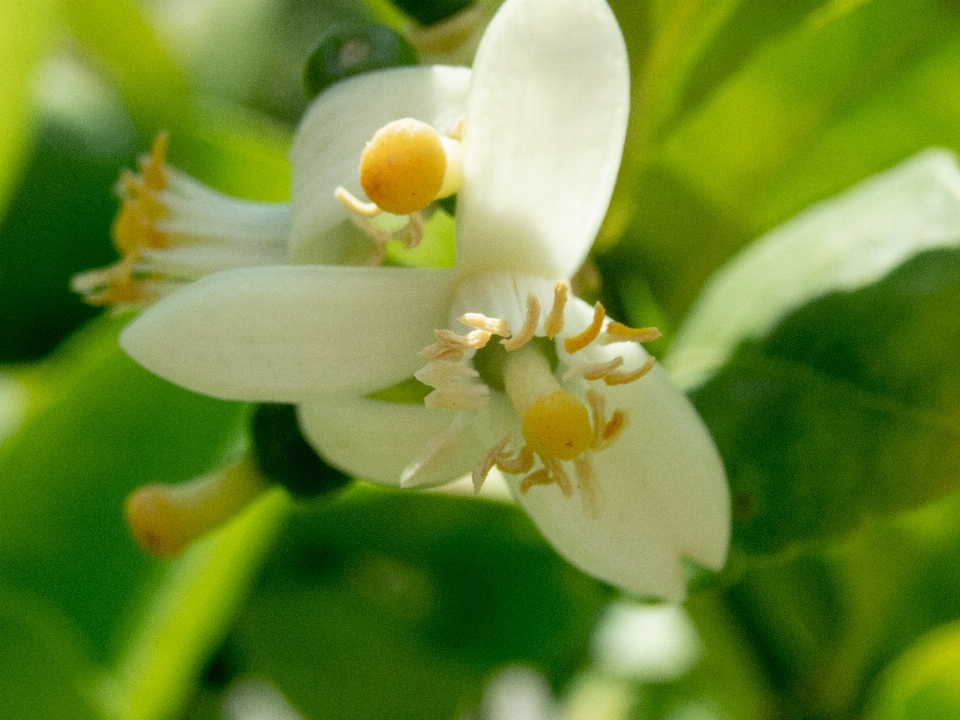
<point>609,459</point>
<point>172,229</point>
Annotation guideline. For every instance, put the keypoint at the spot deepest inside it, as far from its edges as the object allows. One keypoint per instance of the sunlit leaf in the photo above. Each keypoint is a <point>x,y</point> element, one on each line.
<point>924,684</point>
<point>25,29</point>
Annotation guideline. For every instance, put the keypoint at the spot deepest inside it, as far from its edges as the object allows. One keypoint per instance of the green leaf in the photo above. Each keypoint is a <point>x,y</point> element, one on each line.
<point>839,398</point>
<point>106,426</point>
<point>392,604</point>
<point>848,409</point>
<point>155,91</point>
<point>188,613</point>
<point>828,622</point>
<point>25,29</point>
<point>43,672</point>
<point>924,683</point>
<point>839,245</point>
<point>852,89</point>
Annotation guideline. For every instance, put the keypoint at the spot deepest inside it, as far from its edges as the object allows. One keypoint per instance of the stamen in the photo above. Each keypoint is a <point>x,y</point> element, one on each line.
<point>589,487</point>
<point>598,414</point>
<point>456,132</point>
<point>519,464</point>
<point>529,326</point>
<point>553,324</point>
<point>436,450</point>
<point>494,326</point>
<point>612,430</point>
<point>414,230</point>
<point>593,371</point>
<point>151,166</point>
<point>579,342</point>
<point>352,203</point>
<point>622,378</point>
<point>439,372</point>
<point>538,477</point>
<point>450,346</point>
<point>559,476</point>
<point>618,332</point>
<point>492,458</point>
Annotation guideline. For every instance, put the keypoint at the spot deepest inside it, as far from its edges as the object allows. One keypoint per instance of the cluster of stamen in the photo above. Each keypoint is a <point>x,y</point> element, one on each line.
<point>134,230</point>
<point>405,167</point>
<point>557,427</point>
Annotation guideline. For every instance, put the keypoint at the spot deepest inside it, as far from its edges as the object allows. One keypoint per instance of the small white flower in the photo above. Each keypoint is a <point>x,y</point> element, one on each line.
<point>605,454</point>
<point>172,229</point>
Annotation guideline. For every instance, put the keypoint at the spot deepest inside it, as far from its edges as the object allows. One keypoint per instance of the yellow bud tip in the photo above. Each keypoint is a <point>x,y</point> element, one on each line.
<point>403,166</point>
<point>557,425</point>
<point>166,519</point>
<point>153,517</point>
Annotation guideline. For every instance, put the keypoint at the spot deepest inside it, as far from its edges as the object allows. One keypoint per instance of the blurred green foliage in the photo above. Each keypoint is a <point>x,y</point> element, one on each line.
<point>838,424</point>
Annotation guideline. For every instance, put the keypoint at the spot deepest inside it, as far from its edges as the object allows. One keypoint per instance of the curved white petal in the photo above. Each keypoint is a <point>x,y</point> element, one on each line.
<point>662,488</point>
<point>282,334</point>
<point>334,130</point>
<point>195,261</point>
<point>378,440</point>
<point>501,295</point>
<point>544,131</point>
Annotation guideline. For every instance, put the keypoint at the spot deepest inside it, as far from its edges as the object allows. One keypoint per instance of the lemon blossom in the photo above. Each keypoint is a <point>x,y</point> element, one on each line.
<point>609,459</point>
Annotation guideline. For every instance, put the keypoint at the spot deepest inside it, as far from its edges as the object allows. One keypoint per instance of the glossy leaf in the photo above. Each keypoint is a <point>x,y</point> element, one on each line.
<point>848,409</point>
<point>399,604</point>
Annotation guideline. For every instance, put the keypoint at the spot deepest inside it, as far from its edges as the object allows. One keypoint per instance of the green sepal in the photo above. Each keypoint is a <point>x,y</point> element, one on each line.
<point>283,455</point>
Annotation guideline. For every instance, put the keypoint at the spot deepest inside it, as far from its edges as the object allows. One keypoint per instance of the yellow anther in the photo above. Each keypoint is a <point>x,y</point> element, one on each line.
<point>557,425</point>
<point>579,342</point>
<point>553,324</point>
<point>151,166</point>
<point>526,333</point>
<point>403,166</point>
<point>618,377</point>
<point>618,332</point>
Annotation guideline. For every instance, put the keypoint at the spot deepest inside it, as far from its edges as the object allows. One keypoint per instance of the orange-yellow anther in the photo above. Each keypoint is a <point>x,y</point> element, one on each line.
<point>579,342</point>
<point>402,167</point>
<point>619,332</point>
<point>557,425</point>
<point>151,166</point>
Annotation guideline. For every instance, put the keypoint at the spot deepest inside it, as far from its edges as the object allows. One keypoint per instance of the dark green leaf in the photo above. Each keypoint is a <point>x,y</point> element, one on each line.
<point>391,604</point>
<point>849,409</point>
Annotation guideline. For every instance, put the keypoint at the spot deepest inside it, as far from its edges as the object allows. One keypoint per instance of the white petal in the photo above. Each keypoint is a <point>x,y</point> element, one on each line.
<point>335,129</point>
<point>377,440</point>
<point>281,334</point>
<point>662,486</point>
<point>544,131</point>
<point>501,295</point>
<point>194,261</point>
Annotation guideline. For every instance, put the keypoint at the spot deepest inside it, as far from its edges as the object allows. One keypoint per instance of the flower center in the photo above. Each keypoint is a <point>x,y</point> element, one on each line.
<point>554,423</point>
<point>557,425</point>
